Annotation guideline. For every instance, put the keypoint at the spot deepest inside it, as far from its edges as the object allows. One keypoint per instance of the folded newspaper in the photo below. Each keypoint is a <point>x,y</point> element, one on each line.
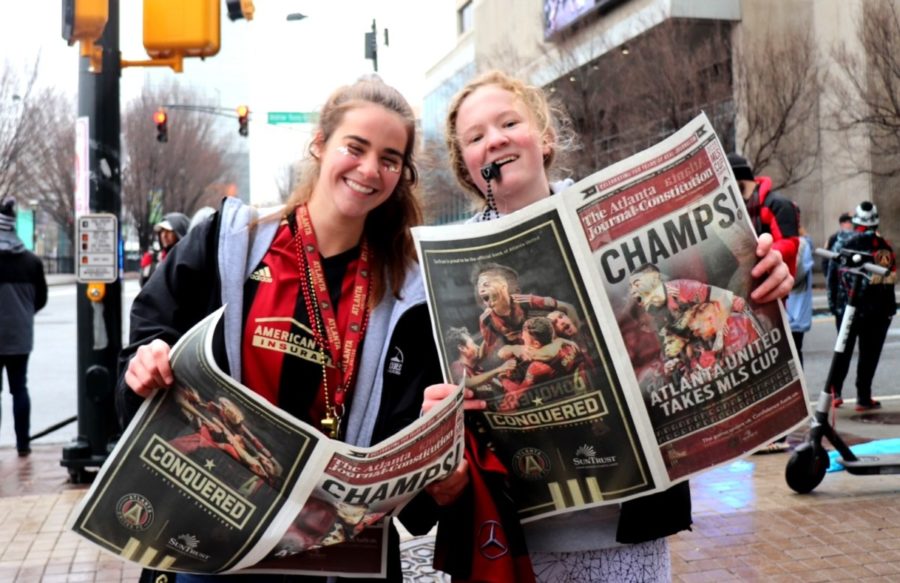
<point>209,477</point>
<point>611,332</point>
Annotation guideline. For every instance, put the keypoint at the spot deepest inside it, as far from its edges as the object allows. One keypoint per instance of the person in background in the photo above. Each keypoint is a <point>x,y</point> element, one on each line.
<point>773,214</point>
<point>169,231</point>
<point>874,309</point>
<point>497,118</point>
<point>342,240</point>
<point>23,291</point>
<point>769,211</point>
<point>846,226</point>
<point>799,303</point>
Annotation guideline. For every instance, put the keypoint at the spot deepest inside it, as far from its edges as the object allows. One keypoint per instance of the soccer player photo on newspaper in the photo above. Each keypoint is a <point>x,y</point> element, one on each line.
<point>675,265</point>
<point>225,461</point>
<point>517,326</point>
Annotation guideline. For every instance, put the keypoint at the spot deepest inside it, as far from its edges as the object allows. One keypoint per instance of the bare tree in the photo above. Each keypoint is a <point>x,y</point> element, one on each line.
<point>440,191</point>
<point>868,89</point>
<point>620,100</point>
<point>778,82</point>
<point>52,159</point>
<point>19,123</point>
<point>286,180</point>
<point>181,175</point>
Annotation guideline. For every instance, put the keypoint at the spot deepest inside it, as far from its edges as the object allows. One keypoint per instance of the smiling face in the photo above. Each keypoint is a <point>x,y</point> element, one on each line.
<point>494,294</point>
<point>360,163</point>
<point>494,125</point>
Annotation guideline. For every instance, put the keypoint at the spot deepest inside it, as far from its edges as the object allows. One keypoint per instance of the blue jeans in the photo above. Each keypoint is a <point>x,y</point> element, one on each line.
<point>16,366</point>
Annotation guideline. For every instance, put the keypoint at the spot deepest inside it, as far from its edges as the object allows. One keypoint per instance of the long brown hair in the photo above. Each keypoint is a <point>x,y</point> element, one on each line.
<point>387,226</point>
<point>545,115</point>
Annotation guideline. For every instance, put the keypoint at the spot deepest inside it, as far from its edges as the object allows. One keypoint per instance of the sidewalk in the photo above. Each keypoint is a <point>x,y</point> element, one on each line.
<point>749,526</point>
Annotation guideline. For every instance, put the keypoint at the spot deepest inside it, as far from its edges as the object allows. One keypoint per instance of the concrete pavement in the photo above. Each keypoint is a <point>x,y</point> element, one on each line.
<point>749,526</point>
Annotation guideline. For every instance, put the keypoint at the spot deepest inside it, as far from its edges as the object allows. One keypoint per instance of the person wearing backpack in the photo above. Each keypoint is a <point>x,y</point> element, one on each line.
<point>875,310</point>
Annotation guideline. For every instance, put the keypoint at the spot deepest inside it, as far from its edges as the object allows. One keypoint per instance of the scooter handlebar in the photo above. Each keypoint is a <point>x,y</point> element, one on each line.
<point>858,259</point>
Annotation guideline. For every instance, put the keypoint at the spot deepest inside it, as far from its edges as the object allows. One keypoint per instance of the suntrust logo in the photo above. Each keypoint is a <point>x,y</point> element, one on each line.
<point>586,457</point>
<point>187,544</point>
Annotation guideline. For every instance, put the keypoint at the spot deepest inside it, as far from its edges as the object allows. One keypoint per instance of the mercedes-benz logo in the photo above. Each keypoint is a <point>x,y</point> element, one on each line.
<point>492,540</point>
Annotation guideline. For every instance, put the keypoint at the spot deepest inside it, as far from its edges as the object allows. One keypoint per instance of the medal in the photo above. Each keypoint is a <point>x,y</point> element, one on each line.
<point>343,352</point>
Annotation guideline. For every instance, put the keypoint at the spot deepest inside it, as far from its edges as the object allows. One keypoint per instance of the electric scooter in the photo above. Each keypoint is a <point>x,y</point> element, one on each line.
<point>809,461</point>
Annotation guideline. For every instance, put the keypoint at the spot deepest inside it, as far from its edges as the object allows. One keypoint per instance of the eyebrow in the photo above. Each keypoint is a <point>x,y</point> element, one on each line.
<point>366,142</point>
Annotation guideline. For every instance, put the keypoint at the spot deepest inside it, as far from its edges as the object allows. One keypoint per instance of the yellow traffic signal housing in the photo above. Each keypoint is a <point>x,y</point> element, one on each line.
<point>84,19</point>
<point>188,28</point>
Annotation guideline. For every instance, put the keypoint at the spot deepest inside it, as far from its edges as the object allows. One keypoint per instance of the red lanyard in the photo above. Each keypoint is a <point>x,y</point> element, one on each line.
<point>344,355</point>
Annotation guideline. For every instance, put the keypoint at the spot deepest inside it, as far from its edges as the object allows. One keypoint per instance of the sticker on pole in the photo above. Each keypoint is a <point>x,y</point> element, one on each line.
<point>98,248</point>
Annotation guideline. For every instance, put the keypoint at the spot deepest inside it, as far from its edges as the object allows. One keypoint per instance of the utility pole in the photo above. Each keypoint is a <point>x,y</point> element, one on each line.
<point>372,46</point>
<point>100,314</point>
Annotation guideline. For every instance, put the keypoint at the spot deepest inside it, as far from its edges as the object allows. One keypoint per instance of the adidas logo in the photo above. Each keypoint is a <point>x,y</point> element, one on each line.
<point>263,274</point>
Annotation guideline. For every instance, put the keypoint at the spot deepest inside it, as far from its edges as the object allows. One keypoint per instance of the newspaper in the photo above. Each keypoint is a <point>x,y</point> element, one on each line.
<point>210,478</point>
<point>609,328</point>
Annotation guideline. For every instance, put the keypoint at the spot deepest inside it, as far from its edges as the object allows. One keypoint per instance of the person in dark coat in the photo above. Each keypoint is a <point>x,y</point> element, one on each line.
<point>23,291</point>
<point>169,231</point>
<point>875,308</point>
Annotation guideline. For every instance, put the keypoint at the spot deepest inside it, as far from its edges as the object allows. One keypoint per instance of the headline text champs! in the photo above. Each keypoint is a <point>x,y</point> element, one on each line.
<point>402,486</point>
<point>673,236</point>
<point>706,384</point>
<point>221,500</point>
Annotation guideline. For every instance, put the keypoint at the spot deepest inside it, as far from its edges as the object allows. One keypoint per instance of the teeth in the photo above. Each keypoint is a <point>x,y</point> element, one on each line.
<point>505,160</point>
<point>358,187</point>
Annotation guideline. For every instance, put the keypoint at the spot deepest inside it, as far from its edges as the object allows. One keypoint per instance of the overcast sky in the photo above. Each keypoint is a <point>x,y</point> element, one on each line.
<point>269,63</point>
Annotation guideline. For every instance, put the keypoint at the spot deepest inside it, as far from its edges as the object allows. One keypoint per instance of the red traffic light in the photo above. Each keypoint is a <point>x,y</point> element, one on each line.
<point>243,120</point>
<point>162,131</point>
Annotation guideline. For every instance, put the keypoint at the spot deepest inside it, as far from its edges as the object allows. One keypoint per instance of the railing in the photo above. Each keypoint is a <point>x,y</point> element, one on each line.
<point>53,264</point>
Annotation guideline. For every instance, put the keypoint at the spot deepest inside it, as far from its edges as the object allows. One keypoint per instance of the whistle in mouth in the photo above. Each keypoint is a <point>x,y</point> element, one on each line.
<point>490,171</point>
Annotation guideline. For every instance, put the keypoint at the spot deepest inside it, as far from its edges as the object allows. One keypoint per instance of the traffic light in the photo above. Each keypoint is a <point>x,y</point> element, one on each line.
<point>239,9</point>
<point>174,28</point>
<point>162,130</point>
<point>243,113</point>
<point>84,19</point>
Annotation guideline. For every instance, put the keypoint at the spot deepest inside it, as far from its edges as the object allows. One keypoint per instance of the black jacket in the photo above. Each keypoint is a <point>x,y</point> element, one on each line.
<point>187,287</point>
<point>23,291</point>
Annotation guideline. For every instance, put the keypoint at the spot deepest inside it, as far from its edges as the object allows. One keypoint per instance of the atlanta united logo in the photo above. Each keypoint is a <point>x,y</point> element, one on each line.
<point>530,463</point>
<point>134,512</point>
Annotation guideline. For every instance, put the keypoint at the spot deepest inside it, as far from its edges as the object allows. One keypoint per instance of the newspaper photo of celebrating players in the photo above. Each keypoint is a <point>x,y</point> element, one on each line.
<point>609,328</point>
<point>211,478</point>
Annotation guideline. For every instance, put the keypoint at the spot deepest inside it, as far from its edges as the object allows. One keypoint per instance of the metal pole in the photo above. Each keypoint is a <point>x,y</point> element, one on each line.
<point>98,98</point>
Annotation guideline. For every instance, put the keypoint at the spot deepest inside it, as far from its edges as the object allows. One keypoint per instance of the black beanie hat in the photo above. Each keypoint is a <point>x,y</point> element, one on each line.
<point>740,167</point>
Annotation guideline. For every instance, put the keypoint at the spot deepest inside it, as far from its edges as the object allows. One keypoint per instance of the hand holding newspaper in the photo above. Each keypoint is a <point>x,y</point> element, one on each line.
<point>209,478</point>
<point>611,332</point>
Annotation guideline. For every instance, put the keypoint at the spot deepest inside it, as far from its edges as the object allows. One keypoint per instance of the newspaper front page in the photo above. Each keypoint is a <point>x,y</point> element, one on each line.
<point>210,478</point>
<point>610,330</point>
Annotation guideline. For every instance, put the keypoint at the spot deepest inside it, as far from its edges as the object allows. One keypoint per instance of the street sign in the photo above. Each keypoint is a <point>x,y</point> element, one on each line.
<point>98,248</point>
<point>280,117</point>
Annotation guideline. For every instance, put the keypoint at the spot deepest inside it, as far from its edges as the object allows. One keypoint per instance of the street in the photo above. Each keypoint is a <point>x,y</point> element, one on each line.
<point>52,368</point>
